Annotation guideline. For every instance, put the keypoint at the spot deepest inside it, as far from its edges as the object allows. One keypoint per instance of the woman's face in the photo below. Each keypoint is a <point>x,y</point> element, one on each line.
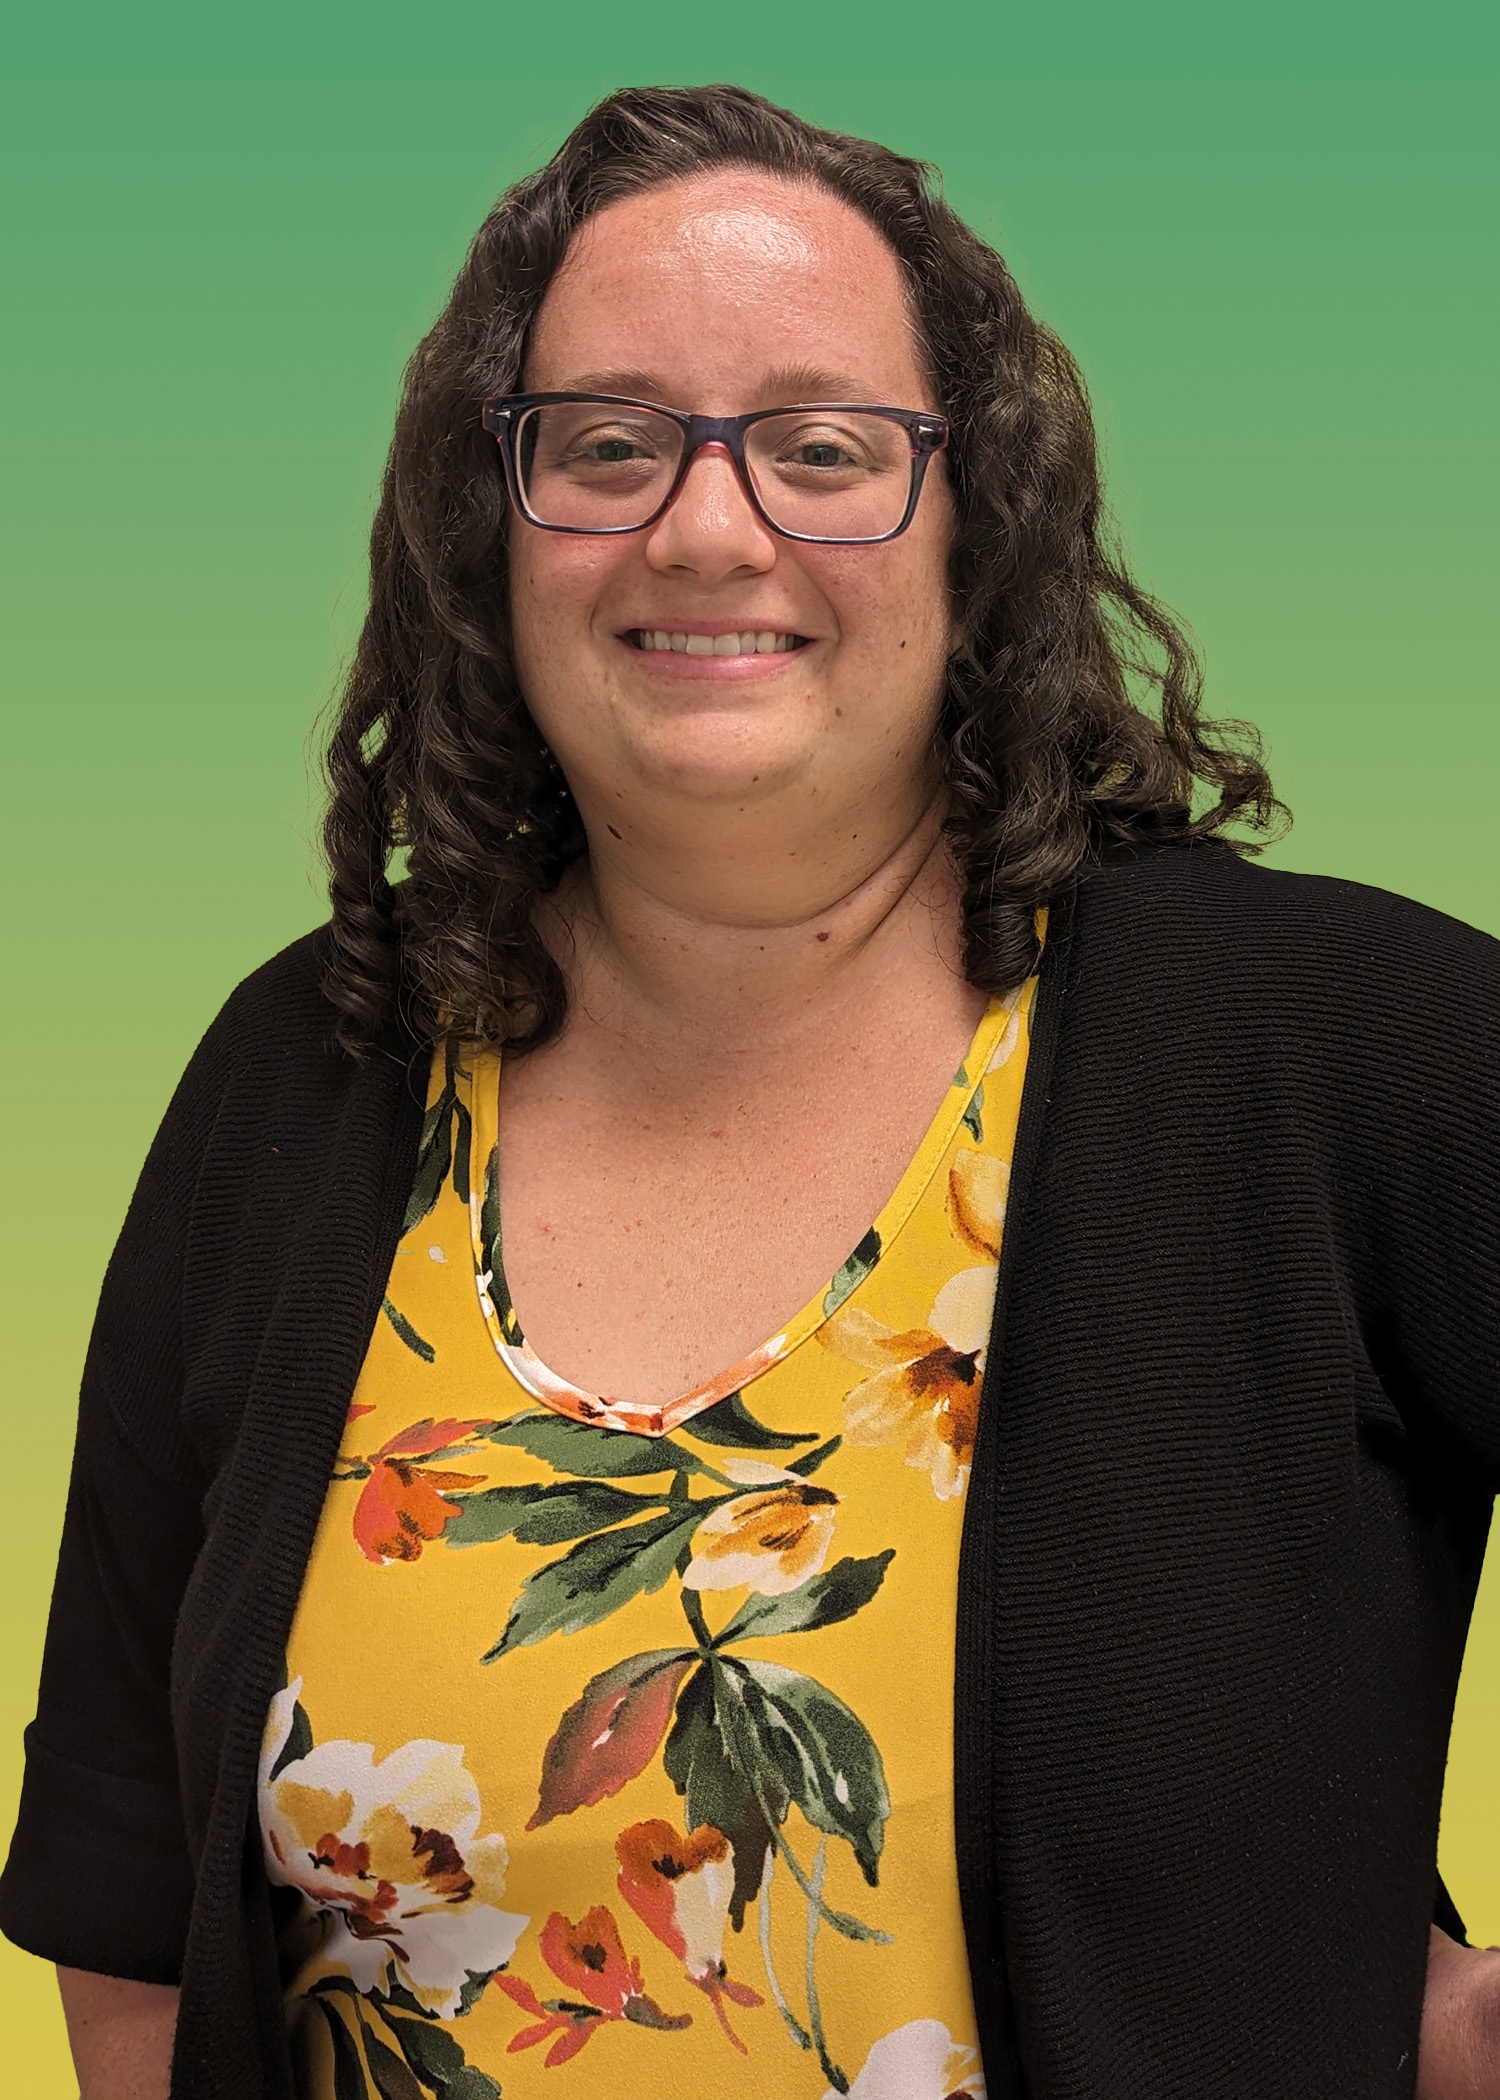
<point>722,294</point>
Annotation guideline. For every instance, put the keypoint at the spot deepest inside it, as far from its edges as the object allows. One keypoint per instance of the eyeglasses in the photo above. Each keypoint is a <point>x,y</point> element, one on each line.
<point>836,473</point>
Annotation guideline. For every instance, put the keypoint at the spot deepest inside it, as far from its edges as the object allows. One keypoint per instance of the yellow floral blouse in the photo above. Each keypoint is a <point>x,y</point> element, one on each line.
<point>616,1753</point>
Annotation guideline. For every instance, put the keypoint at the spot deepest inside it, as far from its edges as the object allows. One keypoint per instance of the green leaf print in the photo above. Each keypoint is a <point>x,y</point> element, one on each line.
<point>462,1145</point>
<point>593,1454</point>
<point>408,1333</point>
<point>439,2062</point>
<point>396,1994</point>
<point>973,1115</point>
<point>714,1789</point>
<point>729,1421</point>
<point>393,2081</point>
<point>348,2072</point>
<point>542,1515</point>
<point>596,1578</point>
<point>431,2060</point>
<point>437,1149</point>
<point>845,1589</point>
<point>489,1239</point>
<point>810,1461</point>
<point>478,1981</point>
<point>299,1741</point>
<point>791,1730</point>
<point>851,1274</point>
<point>434,1157</point>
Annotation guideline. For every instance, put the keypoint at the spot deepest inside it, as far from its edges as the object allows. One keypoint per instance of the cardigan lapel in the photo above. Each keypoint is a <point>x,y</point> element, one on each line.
<point>354,1147</point>
<point>977,1694</point>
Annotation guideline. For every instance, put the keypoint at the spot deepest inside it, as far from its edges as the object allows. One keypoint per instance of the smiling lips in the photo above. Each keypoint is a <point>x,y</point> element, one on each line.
<point>760,642</point>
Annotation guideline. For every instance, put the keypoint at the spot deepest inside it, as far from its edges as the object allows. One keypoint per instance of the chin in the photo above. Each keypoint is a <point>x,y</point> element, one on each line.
<point>720,757</point>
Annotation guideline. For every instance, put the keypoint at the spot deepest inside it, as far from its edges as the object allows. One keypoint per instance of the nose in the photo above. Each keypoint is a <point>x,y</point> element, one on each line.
<point>710,529</point>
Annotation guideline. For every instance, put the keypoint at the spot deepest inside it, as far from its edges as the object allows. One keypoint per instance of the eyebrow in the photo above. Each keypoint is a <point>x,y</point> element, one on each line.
<point>781,386</point>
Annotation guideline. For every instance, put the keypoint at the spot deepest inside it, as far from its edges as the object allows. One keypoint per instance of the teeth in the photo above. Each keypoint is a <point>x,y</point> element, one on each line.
<point>760,642</point>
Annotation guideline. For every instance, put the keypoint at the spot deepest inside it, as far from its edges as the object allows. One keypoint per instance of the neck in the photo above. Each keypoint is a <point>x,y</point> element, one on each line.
<point>686,953</point>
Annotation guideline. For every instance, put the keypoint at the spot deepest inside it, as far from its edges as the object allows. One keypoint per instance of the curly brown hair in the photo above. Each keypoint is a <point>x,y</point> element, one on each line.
<point>1071,723</point>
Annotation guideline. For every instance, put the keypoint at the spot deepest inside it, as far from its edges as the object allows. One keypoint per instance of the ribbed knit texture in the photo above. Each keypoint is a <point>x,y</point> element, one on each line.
<point>1239,1442</point>
<point>233,1321</point>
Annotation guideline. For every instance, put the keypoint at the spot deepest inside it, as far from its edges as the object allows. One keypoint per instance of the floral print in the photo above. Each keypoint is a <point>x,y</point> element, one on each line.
<point>770,1542</point>
<point>925,1392</point>
<point>694,1660</point>
<point>977,1186</point>
<point>682,1887</point>
<point>388,1853</point>
<point>403,1506</point>
<point>919,2061</point>
<point>590,1962</point>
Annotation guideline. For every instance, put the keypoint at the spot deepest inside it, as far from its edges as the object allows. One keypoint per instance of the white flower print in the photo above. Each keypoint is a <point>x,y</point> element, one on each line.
<point>387,1852</point>
<point>920,2061</point>
<point>771,1542</point>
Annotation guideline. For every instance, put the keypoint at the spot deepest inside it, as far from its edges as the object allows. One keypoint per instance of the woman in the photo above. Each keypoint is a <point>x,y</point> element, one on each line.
<point>777,1652</point>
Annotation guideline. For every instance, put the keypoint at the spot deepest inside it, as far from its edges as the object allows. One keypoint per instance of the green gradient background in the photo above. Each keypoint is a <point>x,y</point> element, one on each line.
<point>1261,232</point>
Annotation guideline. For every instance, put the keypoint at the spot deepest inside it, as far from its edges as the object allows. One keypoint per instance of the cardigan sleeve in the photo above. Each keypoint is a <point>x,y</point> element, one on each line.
<point>1445,1914</point>
<point>1420,1158</point>
<point>99,1876</point>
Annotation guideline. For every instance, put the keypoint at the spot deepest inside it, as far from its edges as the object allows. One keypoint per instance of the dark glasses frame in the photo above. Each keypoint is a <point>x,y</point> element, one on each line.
<point>926,434</point>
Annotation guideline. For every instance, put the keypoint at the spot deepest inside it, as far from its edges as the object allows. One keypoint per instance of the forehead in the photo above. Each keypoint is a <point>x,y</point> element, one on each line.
<point>728,285</point>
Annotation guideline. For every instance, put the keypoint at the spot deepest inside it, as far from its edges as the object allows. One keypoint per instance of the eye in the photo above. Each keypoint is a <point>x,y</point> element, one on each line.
<point>819,452</point>
<point>609,448</point>
<point>821,448</point>
<point>581,441</point>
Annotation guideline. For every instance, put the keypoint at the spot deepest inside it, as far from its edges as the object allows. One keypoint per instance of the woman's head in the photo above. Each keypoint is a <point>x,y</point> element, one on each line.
<point>819,716</point>
<point>702,249</point>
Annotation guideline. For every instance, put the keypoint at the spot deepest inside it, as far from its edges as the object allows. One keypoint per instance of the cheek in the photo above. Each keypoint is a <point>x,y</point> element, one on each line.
<point>899,611</point>
<point>908,598</point>
<point>555,586</point>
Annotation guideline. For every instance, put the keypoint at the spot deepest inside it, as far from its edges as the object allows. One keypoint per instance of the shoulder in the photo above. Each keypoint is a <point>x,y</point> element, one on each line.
<point>283,1000</point>
<point>268,1071</point>
<point>278,1023</point>
<point>1210,926</point>
<point>275,1024</point>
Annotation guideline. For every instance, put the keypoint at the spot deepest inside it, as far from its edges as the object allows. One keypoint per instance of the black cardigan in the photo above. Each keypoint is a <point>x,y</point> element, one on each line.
<point>1239,1441</point>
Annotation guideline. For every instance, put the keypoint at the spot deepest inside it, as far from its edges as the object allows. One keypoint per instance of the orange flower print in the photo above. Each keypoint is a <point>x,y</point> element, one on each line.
<point>772,1542</point>
<point>403,1505</point>
<point>925,1391</point>
<point>590,1962</point>
<point>680,1888</point>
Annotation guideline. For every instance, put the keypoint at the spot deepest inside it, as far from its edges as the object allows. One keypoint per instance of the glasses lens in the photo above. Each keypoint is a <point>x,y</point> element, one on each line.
<point>833,474</point>
<point>595,465</point>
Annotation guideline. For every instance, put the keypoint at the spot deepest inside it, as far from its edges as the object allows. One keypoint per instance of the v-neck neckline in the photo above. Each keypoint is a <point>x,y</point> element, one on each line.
<point>995,1036</point>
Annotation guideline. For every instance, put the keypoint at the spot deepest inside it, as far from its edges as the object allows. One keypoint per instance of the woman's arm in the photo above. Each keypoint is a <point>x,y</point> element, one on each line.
<point>120,2034</point>
<point>101,1799</point>
<point>1460,2048</point>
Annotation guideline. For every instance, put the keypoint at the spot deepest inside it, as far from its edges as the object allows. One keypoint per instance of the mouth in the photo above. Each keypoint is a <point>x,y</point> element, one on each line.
<point>763,641</point>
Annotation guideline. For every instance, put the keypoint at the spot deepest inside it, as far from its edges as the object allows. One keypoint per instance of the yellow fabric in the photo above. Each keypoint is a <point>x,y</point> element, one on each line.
<point>616,1750</point>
